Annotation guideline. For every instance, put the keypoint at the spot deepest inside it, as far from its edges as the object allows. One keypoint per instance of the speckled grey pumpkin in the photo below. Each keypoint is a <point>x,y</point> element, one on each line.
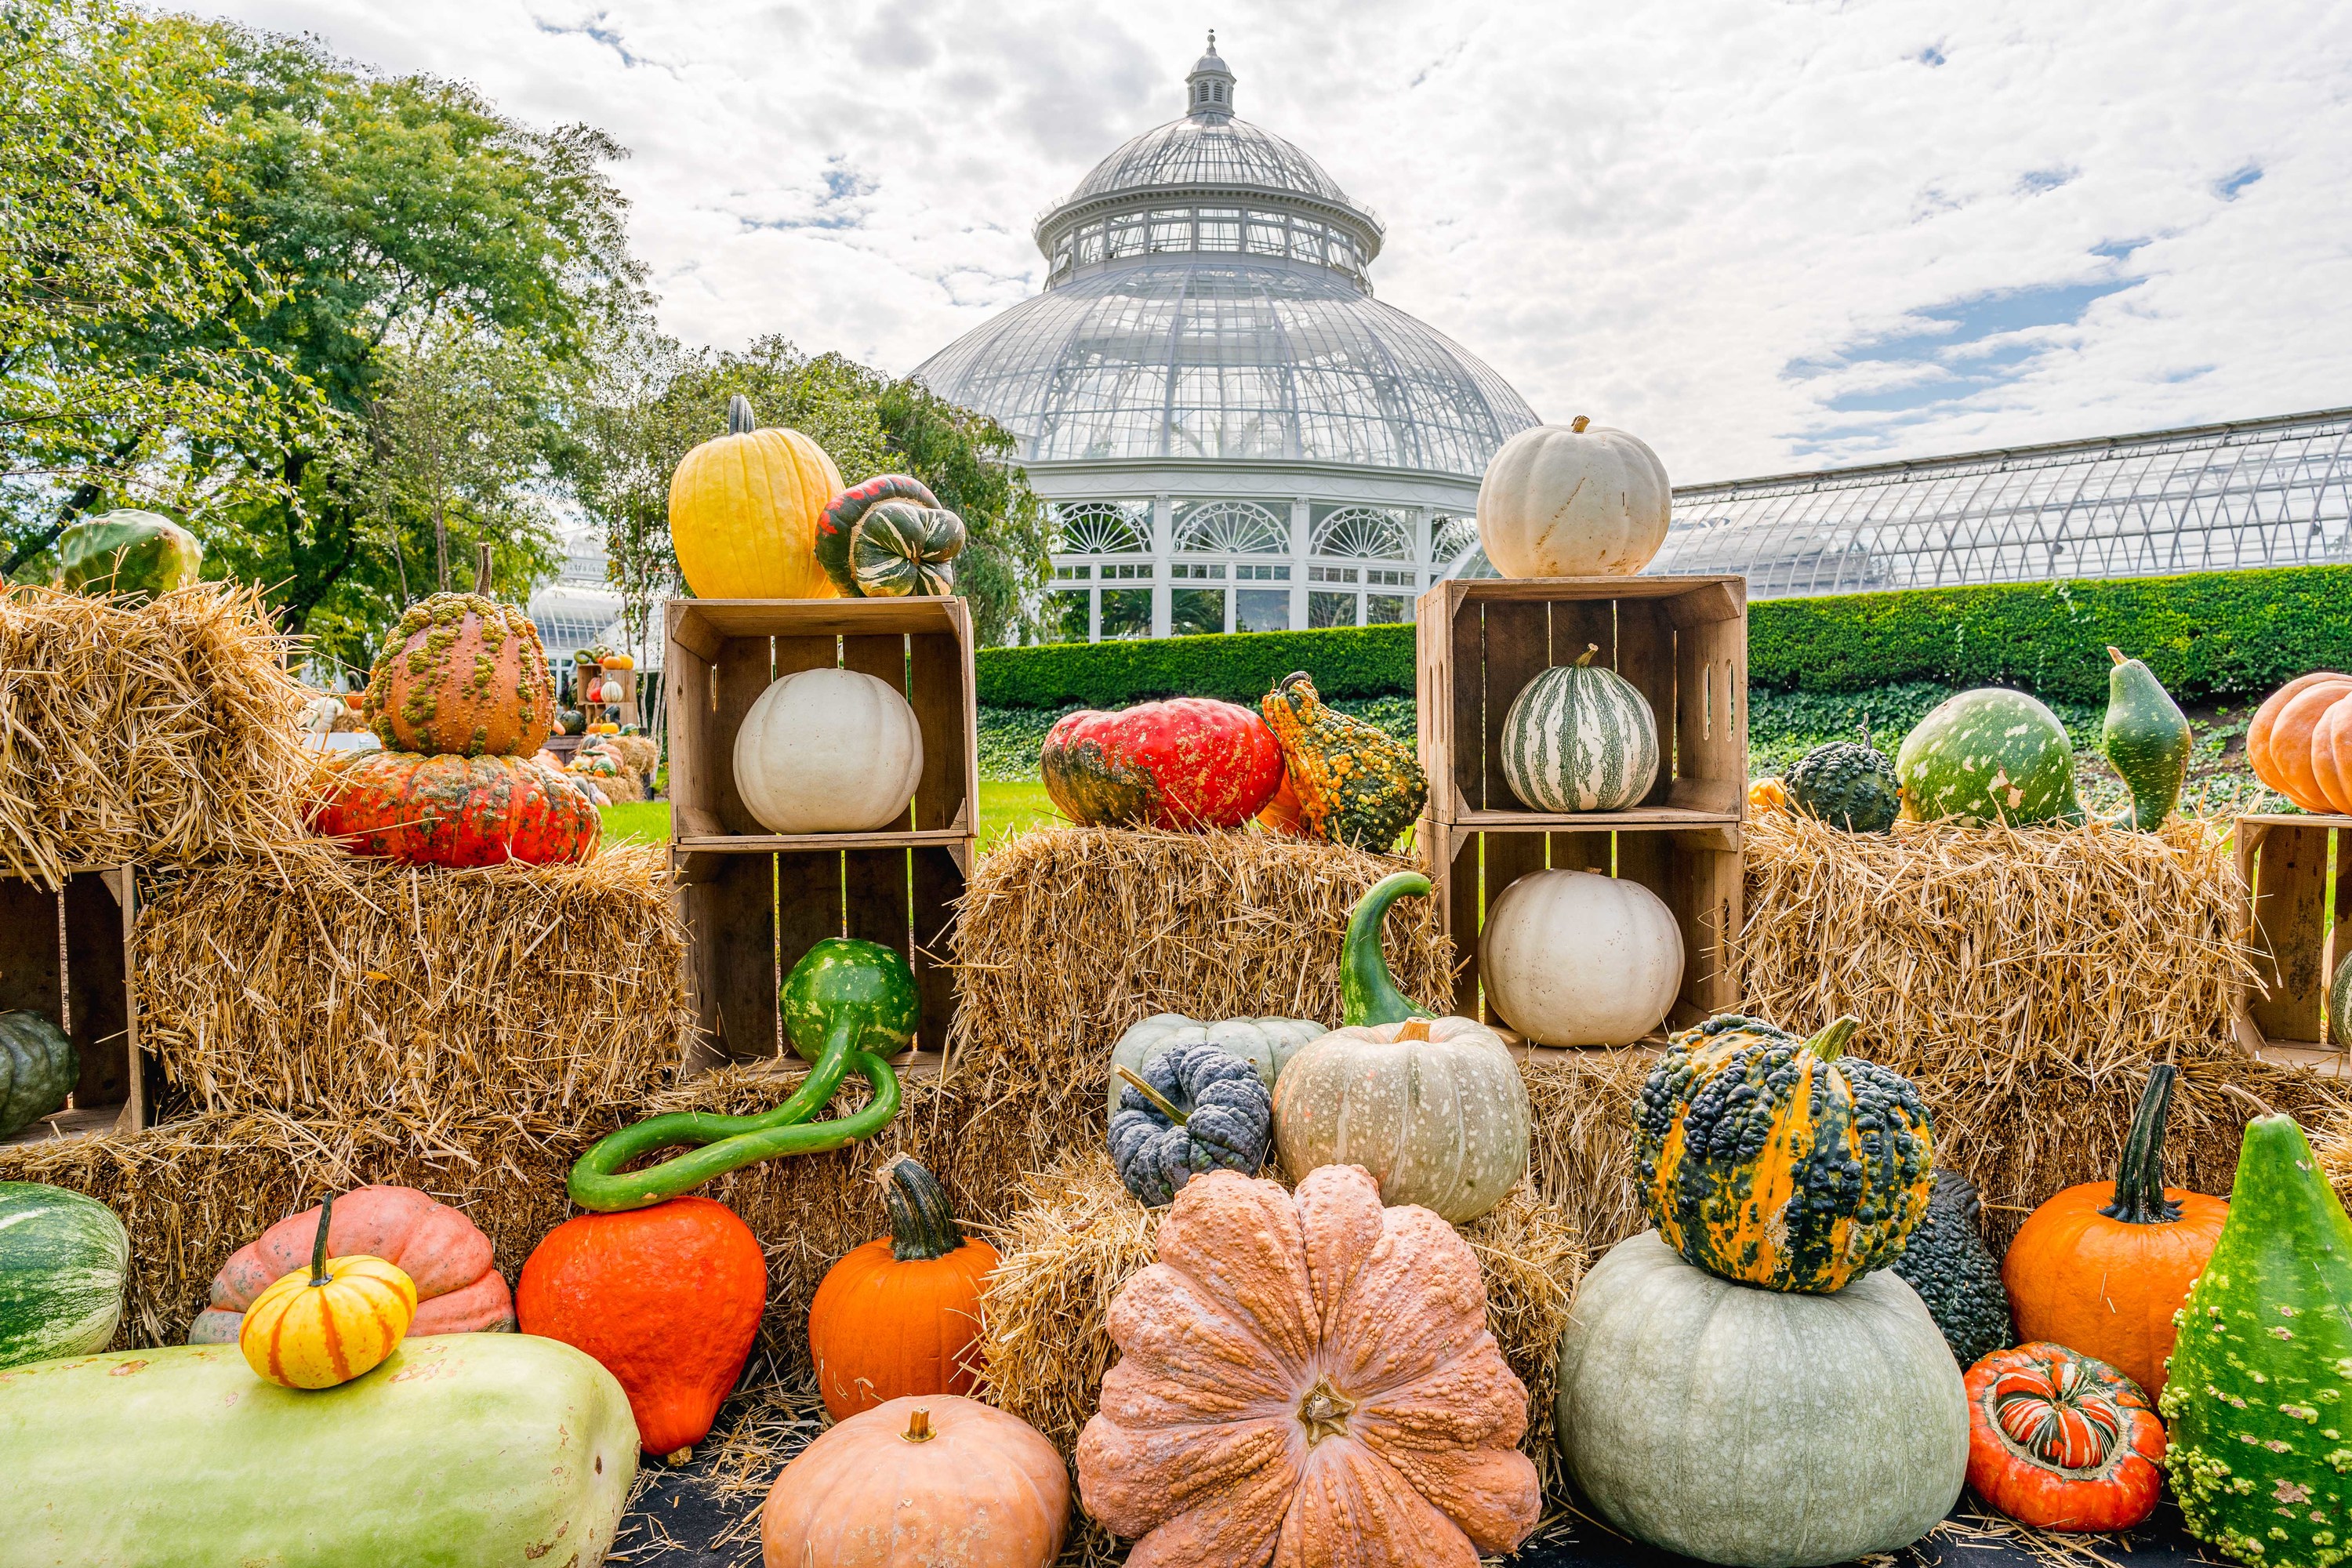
<point>1434,1108</point>
<point>1224,1121</point>
<point>1266,1044</point>
<point>1760,1428</point>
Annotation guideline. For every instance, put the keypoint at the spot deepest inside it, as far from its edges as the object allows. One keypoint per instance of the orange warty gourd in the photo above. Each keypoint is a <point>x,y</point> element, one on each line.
<point>2290,745</point>
<point>1311,1371</point>
<point>900,1315</point>
<point>933,1482</point>
<point>328,1323</point>
<point>667,1297</point>
<point>744,508</point>
<point>462,677</point>
<point>2258,729</point>
<point>2102,1268</point>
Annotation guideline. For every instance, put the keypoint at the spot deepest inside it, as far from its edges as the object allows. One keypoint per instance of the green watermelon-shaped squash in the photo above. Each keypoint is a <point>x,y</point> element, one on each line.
<point>1989,755</point>
<point>142,554</point>
<point>38,1068</point>
<point>1848,784</point>
<point>1579,738</point>
<point>2339,1004</point>
<point>2147,739</point>
<point>62,1261</point>
<point>2256,1397</point>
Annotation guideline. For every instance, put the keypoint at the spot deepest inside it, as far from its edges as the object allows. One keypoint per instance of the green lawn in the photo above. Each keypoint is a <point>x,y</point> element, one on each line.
<point>1004,809</point>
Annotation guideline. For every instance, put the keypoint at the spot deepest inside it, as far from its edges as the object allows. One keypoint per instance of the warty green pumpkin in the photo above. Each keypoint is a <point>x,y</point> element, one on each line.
<point>1848,784</point>
<point>1192,1108</point>
<point>1781,1161</point>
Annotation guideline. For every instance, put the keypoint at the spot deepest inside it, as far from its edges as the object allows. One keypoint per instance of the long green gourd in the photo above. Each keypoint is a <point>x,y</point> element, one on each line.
<point>2261,1437</point>
<point>847,1006</point>
<point>2147,739</point>
<point>1368,991</point>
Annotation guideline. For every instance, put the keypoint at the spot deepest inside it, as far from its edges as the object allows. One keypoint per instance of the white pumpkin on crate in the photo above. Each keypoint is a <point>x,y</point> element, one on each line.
<point>1580,737</point>
<point>1579,499</point>
<point>828,751</point>
<point>1575,958</point>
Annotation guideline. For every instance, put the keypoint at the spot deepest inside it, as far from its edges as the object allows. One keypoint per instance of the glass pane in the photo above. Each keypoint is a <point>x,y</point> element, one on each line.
<point>1386,609</point>
<point>1126,613</point>
<point>1330,609</point>
<point>1068,622</point>
<point>1265,238</point>
<point>1090,245</point>
<point>1193,611</point>
<point>1219,236</point>
<point>1174,233</point>
<point>1127,237</point>
<point>1262,610</point>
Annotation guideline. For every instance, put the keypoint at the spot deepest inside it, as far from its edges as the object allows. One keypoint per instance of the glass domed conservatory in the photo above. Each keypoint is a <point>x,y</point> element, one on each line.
<point>1234,434</point>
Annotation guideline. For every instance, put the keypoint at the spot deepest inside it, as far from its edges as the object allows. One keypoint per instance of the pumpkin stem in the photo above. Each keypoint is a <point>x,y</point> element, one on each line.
<point>1830,1044</point>
<point>2140,1176</point>
<point>1414,1029</point>
<point>741,420</point>
<point>1368,991</point>
<point>318,1247</point>
<point>1584,660</point>
<point>1579,423</point>
<point>918,1425</point>
<point>922,1227</point>
<point>1160,1101</point>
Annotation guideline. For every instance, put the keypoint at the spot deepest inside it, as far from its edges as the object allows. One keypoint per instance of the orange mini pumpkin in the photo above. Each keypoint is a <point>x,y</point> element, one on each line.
<point>900,1315</point>
<point>2291,738</point>
<point>2102,1268</point>
<point>330,1322</point>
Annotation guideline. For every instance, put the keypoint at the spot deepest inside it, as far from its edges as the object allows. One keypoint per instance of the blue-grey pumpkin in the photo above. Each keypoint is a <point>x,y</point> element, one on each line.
<point>1208,1111</point>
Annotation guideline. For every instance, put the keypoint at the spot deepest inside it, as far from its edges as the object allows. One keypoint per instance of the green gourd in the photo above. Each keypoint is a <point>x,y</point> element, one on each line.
<point>136,554</point>
<point>1945,1260</point>
<point>2339,1004</point>
<point>39,1069</point>
<point>847,1004</point>
<point>1368,991</point>
<point>1989,755</point>
<point>2147,739</point>
<point>2256,1396</point>
<point>1848,784</point>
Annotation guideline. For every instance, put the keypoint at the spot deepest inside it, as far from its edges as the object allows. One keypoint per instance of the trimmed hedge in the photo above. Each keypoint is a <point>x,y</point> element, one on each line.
<point>2207,635</point>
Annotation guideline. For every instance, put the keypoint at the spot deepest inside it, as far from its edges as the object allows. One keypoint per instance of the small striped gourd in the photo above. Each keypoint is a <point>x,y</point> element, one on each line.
<point>1579,738</point>
<point>327,1324</point>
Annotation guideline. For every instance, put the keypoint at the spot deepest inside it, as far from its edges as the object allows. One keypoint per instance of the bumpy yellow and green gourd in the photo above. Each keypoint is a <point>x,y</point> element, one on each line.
<point>2260,1454</point>
<point>1357,785</point>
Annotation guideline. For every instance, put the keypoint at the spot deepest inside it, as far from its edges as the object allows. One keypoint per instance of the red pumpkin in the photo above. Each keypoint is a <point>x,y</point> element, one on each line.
<point>2060,1441</point>
<point>667,1298</point>
<point>1188,763</point>
<point>455,811</point>
<point>900,1315</point>
<point>462,674</point>
<point>459,1289</point>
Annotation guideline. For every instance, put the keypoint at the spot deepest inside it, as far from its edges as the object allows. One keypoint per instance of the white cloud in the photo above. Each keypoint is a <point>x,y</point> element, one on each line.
<point>1765,236</point>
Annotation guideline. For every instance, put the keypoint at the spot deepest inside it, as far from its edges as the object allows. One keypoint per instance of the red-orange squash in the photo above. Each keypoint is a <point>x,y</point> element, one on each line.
<point>455,811</point>
<point>2258,728</point>
<point>2331,754</point>
<point>900,1315</point>
<point>463,676</point>
<point>667,1298</point>
<point>459,1289</point>
<point>1310,1371</point>
<point>2102,1268</point>
<point>2062,1441</point>
<point>1188,763</point>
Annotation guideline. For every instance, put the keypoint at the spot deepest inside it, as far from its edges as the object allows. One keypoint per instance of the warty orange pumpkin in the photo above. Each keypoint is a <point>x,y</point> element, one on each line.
<point>463,677</point>
<point>900,1315</point>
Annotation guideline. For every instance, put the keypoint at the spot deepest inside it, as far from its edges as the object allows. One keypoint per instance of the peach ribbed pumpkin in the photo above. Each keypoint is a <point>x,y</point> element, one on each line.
<point>743,511</point>
<point>2331,754</point>
<point>2291,744</point>
<point>1310,1373</point>
<point>937,1481</point>
<point>2258,729</point>
<point>330,1322</point>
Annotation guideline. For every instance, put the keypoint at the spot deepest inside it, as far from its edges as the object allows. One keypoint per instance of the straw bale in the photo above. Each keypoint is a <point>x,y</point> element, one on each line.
<point>1080,1236</point>
<point>165,733</point>
<point>1580,1143</point>
<point>1068,935</point>
<point>316,984</point>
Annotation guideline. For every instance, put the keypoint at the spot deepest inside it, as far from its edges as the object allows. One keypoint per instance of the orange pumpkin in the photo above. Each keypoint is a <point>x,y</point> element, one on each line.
<point>461,677</point>
<point>2258,729</point>
<point>2290,746</point>
<point>2102,1268</point>
<point>1309,1369</point>
<point>1283,815</point>
<point>667,1297</point>
<point>328,1323</point>
<point>1767,795</point>
<point>900,1315</point>
<point>2331,754</point>
<point>933,1482</point>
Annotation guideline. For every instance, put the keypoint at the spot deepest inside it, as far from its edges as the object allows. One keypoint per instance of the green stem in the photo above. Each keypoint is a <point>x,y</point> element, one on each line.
<point>922,1226</point>
<point>2140,1176</point>
<point>318,1247</point>
<point>1830,1044</point>
<point>1368,991</point>
<point>1158,1100</point>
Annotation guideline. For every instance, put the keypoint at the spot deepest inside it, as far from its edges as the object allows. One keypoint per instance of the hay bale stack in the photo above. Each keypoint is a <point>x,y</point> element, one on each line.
<point>318,984</point>
<point>1581,1136</point>
<point>1080,1236</point>
<point>1068,935</point>
<point>164,734</point>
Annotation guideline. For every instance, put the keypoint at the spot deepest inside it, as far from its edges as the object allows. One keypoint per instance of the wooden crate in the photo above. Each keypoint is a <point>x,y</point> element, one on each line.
<point>1696,870</point>
<point>2295,932</point>
<point>756,901</point>
<point>69,957</point>
<point>1682,641</point>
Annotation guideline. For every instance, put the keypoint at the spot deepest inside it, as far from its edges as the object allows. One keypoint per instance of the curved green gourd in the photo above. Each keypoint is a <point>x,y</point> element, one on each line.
<point>2256,1397</point>
<point>848,1006</point>
<point>2146,740</point>
<point>1368,991</point>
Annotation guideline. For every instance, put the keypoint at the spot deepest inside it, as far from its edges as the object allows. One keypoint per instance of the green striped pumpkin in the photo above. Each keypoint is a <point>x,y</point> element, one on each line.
<point>62,1261</point>
<point>1579,738</point>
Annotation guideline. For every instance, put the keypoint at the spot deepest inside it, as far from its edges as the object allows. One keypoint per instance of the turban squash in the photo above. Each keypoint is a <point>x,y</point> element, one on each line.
<point>2062,1441</point>
<point>1307,1376</point>
<point>888,537</point>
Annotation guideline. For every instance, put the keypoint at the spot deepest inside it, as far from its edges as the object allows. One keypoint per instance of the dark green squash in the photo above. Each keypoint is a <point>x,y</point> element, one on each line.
<point>1847,784</point>
<point>1945,1261</point>
<point>39,1069</point>
<point>2147,739</point>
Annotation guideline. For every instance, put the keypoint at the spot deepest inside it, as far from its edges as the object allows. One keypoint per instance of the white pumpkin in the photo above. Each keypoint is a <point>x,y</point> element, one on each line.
<point>1575,958</point>
<point>1266,1044</point>
<point>1760,1428</point>
<point>1579,738</point>
<point>828,751</point>
<point>1573,500</point>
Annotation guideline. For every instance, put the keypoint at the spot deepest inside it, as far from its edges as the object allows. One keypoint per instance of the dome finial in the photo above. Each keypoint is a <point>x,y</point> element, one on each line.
<point>1209,90</point>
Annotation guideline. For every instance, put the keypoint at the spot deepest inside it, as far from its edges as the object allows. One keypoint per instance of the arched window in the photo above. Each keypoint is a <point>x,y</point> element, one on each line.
<point>1104,528</point>
<point>1231,528</point>
<point>1363,533</point>
<point>1450,536</point>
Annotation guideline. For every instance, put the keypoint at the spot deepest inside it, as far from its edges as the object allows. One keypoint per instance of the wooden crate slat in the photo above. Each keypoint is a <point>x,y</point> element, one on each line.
<point>942,685</point>
<point>875,908</point>
<point>937,883</point>
<point>732,919</point>
<point>745,669</point>
<point>69,955</point>
<point>2288,928</point>
<point>1645,657</point>
<point>1466,648</point>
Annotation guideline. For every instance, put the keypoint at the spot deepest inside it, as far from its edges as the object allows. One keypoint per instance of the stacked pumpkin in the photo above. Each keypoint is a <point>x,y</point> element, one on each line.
<point>461,699</point>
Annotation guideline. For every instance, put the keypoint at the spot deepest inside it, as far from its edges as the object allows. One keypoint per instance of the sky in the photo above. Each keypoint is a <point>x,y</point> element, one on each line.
<point>1764,237</point>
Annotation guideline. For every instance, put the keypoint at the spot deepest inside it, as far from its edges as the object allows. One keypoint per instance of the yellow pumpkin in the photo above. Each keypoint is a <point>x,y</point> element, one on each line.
<point>330,1322</point>
<point>743,512</point>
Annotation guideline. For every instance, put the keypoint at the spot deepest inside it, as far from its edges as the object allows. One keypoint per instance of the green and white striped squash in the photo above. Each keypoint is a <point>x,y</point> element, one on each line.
<point>62,1261</point>
<point>1579,738</point>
